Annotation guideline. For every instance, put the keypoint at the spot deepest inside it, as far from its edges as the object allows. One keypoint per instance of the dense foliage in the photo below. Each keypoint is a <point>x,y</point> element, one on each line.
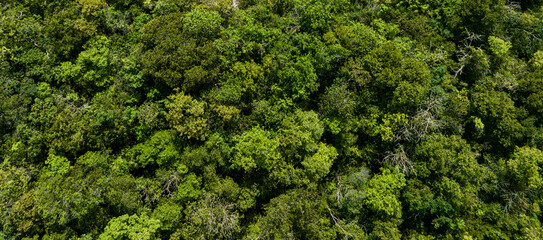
<point>271,119</point>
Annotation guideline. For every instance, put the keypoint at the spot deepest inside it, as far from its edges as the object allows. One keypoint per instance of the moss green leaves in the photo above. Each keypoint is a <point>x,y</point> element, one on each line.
<point>256,149</point>
<point>201,22</point>
<point>499,46</point>
<point>524,168</point>
<point>187,116</point>
<point>381,195</point>
<point>318,165</point>
<point>131,227</point>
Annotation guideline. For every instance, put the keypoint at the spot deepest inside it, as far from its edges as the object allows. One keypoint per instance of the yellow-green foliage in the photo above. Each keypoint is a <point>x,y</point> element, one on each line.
<point>271,119</point>
<point>187,116</point>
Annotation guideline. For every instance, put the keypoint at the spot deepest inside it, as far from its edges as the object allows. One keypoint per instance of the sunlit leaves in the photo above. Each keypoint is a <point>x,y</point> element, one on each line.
<point>449,156</point>
<point>187,116</point>
<point>382,191</point>
<point>295,214</point>
<point>286,119</point>
<point>131,227</point>
<point>525,169</point>
<point>202,23</point>
<point>392,76</point>
<point>159,149</point>
<point>498,46</point>
<point>255,149</point>
<point>318,165</point>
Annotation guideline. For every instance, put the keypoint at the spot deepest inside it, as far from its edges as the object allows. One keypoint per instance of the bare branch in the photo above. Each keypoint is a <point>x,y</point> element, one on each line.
<point>399,159</point>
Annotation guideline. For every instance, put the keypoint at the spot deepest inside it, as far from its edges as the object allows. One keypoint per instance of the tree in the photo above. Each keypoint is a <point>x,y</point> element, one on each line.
<point>202,23</point>
<point>19,213</point>
<point>295,214</point>
<point>456,180</point>
<point>211,217</point>
<point>255,149</point>
<point>174,42</point>
<point>531,92</point>
<point>159,150</point>
<point>69,195</point>
<point>188,116</point>
<point>382,191</point>
<point>319,164</point>
<point>131,227</point>
<point>498,114</point>
<point>524,169</point>
<point>389,75</point>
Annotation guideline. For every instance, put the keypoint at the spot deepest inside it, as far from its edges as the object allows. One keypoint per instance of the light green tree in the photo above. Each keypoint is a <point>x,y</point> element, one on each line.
<point>133,227</point>
<point>188,116</point>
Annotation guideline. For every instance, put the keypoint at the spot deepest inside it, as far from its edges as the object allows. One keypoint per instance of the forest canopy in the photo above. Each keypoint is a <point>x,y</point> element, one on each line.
<point>271,119</point>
